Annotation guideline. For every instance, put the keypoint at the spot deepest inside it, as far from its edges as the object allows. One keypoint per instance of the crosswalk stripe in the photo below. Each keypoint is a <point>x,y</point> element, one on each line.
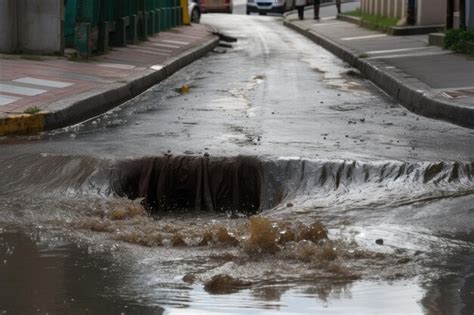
<point>363,37</point>
<point>6,99</point>
<point>42,82</point>
<point>20,90</point>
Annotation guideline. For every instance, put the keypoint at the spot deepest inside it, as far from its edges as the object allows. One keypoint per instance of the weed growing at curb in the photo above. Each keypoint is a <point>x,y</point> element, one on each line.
<point>374,22</point>
<point>31,57</point>
<point>32,110</point>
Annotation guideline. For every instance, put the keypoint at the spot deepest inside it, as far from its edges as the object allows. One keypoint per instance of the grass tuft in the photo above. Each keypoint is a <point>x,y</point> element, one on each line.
<point>32,110</point>
<point>374,22</point>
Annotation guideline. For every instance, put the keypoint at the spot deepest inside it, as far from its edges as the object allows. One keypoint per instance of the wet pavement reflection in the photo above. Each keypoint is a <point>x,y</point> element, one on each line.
<point>58,277</point>
<point>364,207</point>
<point>54,276</point>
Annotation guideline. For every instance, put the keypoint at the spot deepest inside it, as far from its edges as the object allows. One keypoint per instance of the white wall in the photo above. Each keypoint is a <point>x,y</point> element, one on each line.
<point>32,26</point>
<point>431,12</point>
<point>8,26</point>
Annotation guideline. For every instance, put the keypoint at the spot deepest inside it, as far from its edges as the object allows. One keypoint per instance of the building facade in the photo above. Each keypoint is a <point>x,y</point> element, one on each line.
<point>419,12</point>
<point>412,12</point>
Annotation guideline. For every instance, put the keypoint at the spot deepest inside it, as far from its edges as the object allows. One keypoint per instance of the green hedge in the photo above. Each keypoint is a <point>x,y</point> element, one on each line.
<point>460,41</point>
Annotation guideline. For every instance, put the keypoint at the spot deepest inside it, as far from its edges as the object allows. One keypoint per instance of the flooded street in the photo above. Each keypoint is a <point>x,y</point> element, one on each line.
<point>283,181</point>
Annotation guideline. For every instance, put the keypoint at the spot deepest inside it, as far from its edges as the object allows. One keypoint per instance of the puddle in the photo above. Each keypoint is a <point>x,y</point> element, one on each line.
<point>175,233</point>
<point>56,276</point>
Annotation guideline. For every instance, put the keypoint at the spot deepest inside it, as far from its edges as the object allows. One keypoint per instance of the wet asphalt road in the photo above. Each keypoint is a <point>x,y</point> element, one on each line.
<point>274,94</point>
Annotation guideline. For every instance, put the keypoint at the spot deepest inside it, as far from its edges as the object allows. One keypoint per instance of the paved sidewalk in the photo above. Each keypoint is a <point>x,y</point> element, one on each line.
<point>426,79</point>
<point>67,92</point>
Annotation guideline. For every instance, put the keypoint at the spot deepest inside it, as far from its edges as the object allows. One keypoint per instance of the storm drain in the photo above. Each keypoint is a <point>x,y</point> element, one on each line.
<point>172,183</point>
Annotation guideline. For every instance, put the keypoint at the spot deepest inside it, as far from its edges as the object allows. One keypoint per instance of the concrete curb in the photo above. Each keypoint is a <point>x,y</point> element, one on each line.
<point>413,94</point>
<point>86,105</point>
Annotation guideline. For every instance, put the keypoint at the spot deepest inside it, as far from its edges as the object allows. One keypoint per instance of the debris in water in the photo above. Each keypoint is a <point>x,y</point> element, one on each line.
<point>379,241</point>
<point>224,237</point>
<point>263,237</point>
<point>178,240</point>
<point>140,238</point>
<point>315,232</point>
<point>307,251</point>
<point>128,212</point>
<point>189,278</point>
<point>287,235</point>
<point>184,89</point>
<point>206,239</point>
<point>95,225</point>
<point>342,272</point>
<point>225,284</point>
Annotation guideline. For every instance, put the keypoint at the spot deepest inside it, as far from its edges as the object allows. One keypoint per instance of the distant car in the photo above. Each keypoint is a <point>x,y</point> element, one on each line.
<point>216,6</point>
<point>194,11</point>
<point>263,7</point>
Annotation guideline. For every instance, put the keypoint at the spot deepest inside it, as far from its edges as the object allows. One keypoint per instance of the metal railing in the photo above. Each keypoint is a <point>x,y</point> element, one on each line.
<point>92,25</point>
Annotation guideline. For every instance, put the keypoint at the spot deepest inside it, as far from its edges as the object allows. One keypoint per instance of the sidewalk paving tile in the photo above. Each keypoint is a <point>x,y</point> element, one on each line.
<point>26,83</point>
<point>440,69</point>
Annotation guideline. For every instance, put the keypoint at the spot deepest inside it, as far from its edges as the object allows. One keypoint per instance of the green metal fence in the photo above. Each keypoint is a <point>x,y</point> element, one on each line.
<point>93,25</point>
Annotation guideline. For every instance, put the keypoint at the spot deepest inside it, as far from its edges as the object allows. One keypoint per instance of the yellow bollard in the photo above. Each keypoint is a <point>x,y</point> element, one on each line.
<point>184,7</point>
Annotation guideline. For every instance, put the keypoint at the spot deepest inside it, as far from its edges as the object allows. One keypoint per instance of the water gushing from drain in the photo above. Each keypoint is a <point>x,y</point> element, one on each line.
<point>188,182</point>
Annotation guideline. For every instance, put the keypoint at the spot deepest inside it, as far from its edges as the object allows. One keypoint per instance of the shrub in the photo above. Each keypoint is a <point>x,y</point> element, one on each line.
<point>460,41</point>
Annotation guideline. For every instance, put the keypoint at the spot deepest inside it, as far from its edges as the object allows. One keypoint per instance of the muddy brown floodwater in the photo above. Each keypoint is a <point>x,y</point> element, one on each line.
<point>281,181</point>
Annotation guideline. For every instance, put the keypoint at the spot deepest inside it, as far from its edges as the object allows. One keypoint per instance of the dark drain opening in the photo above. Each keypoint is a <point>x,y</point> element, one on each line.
<point>171,183</point>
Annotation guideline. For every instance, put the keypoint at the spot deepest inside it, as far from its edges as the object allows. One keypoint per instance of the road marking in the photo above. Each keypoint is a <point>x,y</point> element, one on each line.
<point>326,24</point>
<point>159,50</point>
<point>149,48</point>
<point>20,90</point>
<point>177,42</point>
<point>157,67</point>
<point>375,52</point>
<point>432,53</point>
<point>41,82</point>
<point>116,66</point>
<point>364,37</point>
<point>151,52</point>
<point>180,36</point>
<point>166,46</point>
<point>4,99</point>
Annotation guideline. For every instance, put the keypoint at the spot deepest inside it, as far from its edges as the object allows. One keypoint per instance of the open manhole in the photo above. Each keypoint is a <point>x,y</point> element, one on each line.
<point>171,183</point>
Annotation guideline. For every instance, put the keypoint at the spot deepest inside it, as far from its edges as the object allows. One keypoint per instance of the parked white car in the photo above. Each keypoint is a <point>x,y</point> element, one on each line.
<point>194,11</point>
<point>263,7</point>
